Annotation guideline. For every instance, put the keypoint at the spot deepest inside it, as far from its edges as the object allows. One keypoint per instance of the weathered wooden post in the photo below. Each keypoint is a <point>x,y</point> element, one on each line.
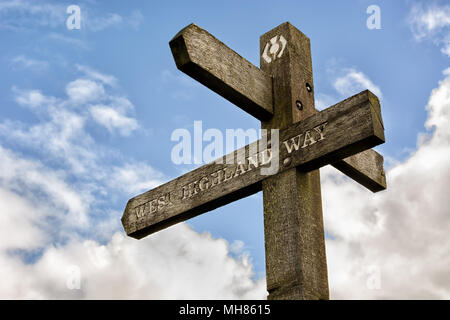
<point>296,266</point>
<point>281,95</point>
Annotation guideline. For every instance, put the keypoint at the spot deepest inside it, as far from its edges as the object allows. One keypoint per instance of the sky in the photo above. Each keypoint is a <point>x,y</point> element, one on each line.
<point>86,117</point>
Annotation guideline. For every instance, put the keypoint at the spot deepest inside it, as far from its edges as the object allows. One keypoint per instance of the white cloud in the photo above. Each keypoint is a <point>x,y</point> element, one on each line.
<point>446,49</point>
<point>112,270</point>
<point>133,178</point>
<point>31,98</point>
<point>431,22</point>
<point>108,110</point>
<point>425,21</point>
<point>60,135</point>
<point>39,184</point>
<point>353,82</point>
<point>100,23</point>
<point>96,75</point>
<point>18,221</point>
<point>21,14</point>
<point>237,246</point>
<point>61,192</point>
<point>120,270</point>
<point>438,106</point>
<point>323,101</point>
<point>399,236</point>
<point>121,103</point>
<point>23,62</point>
<point>84,90</point>
<point>62,132</point>
<point>346,82</point>
<point>61,139</point>
<point>113,120</point>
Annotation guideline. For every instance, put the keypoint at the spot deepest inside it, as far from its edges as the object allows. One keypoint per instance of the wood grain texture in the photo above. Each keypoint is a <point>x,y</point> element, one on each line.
<point>365,167</point>
<point>350,128</point>
<point>296,265</point>
<point>206,59</point>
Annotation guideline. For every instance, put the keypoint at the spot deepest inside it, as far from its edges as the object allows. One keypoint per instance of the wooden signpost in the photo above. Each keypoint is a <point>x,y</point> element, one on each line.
<point>281,95</point>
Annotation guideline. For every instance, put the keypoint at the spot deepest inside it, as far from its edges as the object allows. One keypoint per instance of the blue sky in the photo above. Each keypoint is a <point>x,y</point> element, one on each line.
<point>86,118</point>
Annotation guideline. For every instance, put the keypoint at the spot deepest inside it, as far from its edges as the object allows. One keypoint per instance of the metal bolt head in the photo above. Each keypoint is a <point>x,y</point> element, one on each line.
<point>308,87</point>
<point>287,161</point>
<point>299,105</point>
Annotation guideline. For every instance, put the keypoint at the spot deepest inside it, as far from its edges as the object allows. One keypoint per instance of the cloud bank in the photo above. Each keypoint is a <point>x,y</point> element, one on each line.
<point>61,197</point>
<point>431,22</point>
<point>395,244</point>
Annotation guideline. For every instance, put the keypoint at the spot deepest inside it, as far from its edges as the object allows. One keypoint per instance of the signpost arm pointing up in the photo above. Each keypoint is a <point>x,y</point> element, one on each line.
<point>293,224</point>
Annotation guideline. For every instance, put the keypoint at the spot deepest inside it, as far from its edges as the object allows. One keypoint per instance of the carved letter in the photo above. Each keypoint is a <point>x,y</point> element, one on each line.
<point>204,183</point>
<point>193,188</point>
<point>168,202</point>
<point>138,211</point>
<point>225,170</point>
<point>309,140</point>
<point>221,174</point>
<point>153,206</point>
<point>185,192</point>
<point>253,160</point>
<point>215,179</point>
<point>294,145</point>
<point>263,158</point>
<point>161,202</point>
<point>320,129</point>
<point>239,170</point>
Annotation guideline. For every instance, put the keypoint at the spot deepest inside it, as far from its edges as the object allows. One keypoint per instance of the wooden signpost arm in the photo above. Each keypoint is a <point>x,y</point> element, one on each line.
<point>203,57</point>
<point>217,184</point>
<point>206,59</point>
